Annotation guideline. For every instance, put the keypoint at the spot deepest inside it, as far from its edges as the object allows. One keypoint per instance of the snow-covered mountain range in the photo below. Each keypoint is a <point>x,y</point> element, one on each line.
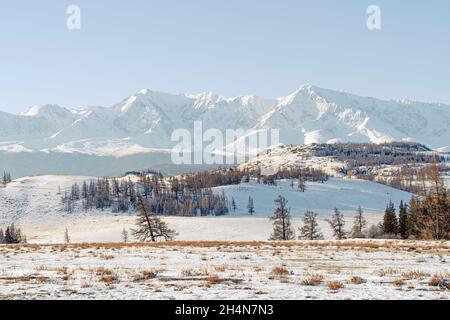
<point>144,122</point>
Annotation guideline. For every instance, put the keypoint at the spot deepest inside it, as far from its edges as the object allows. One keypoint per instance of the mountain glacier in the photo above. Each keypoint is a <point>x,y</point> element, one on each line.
<point>144,122</point>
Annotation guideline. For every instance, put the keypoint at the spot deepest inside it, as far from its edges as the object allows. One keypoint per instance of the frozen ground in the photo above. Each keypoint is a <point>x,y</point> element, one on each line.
<point>340,270</point>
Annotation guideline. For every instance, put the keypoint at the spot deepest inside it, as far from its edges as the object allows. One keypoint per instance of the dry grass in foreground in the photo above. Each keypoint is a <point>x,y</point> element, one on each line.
<point>371,244</point>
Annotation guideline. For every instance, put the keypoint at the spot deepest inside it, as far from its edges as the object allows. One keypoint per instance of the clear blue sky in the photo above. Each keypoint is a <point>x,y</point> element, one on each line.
<point>231,47</point>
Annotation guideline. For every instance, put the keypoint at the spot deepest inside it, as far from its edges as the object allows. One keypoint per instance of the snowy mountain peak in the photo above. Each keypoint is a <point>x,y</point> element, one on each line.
<point>42,110</point>
<point>147,119</point>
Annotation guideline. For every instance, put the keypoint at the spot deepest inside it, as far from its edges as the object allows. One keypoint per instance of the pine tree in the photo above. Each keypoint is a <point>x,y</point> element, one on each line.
<point>250,206</point>
<point>337,224</point>
<point>149,226</point>
<point>310,229</point>
<point>282,228</point>
<point>403,221</point>
<point>66,237</point>
<point>2,236</point>
<point>359,224</point>
<point>390,222</point>
<point>124,236</point>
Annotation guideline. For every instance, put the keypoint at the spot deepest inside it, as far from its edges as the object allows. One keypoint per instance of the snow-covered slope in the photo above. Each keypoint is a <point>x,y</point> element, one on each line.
<point>145,121</point>
<point>35,200</point>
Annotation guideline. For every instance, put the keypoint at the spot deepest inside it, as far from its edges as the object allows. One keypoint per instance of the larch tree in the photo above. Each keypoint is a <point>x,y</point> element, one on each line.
<point>337,224</point>
<point>359,224</point>
<point>282,226</point>
<point>310,229</point>
<point>150,227</point>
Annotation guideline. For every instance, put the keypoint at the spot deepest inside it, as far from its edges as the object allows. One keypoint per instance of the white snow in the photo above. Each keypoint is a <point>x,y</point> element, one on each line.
<point>34,204</point>
<point>393,270</point>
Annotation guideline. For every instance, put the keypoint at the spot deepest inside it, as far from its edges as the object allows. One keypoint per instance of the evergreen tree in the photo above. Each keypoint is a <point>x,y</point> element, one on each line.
<point>337,224</point>
<point>2,236</point>
<point>250,206</point>
<point>310,229</point>
<point>13,235</point>
<point>282,228</point>
<point>359,224</point>
<point>403,221</point>
<point>390,222</point>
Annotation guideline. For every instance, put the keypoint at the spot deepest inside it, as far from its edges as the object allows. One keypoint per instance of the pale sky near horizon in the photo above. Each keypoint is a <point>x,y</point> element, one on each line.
<point>233,47</point>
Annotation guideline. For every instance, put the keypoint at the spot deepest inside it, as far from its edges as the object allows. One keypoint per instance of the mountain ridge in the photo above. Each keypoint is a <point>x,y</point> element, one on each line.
<point>147,118</point>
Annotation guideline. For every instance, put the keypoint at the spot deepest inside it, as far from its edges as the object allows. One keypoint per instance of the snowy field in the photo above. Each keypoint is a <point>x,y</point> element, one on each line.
<point>33,203</point>
<point>339,270</point>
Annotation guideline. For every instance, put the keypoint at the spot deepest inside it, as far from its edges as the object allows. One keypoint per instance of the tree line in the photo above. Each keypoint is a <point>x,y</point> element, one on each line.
<point>186,195</point>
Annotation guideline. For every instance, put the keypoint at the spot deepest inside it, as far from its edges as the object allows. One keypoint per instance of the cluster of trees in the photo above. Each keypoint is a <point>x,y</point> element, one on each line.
<point>302,175</point>
<point>6,178</point>
<point>187,195</point>
<point>310,230</point>
<point>12,235</point>
<point>427,216</point>
<point>370,155</point>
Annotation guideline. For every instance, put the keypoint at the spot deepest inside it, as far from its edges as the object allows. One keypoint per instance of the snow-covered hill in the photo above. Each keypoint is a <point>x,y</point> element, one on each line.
<point>34,203</point>
<point>145,121</point>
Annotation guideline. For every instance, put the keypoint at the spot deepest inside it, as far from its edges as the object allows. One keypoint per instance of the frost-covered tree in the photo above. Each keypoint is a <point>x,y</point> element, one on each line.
<point>310,229</point>
<point>337,224</point>
<point>359,224</point>
<point>150,227</point>
<point>282,226</point>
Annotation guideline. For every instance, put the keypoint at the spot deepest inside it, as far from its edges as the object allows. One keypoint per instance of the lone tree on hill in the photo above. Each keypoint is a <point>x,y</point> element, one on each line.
<point>282,227</point>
